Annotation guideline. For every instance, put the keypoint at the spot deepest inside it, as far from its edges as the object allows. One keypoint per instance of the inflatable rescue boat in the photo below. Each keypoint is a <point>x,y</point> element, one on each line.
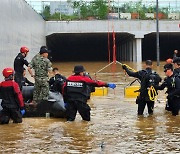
<point>55,105</point>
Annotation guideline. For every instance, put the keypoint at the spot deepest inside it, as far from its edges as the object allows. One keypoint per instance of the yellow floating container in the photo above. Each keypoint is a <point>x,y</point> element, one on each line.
<point>100,91</point>
<point>129,91</point>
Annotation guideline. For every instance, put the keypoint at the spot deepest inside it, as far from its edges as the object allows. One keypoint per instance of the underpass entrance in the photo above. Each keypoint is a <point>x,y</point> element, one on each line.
<point>94,46</point>
<point>168,43</point>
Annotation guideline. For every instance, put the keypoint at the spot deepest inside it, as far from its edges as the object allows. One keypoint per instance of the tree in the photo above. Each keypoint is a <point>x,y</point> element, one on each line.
<point>96,8</point>
<point>46,12</point>
<point>84,10</point>
<point>100,8</point>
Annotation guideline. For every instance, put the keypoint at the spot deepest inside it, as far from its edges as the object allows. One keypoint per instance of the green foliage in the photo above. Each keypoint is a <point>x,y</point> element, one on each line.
<point>82,10</point>
<point>56,16</point>
<point>130,7</point>
<point>46,12</point>
<point>96,8</point>
<point>164,10</point>
<point>140,8</point>
<point>150,9</point>
<point>99,9</point>
<point>126,8</point>
<point>76,4</point>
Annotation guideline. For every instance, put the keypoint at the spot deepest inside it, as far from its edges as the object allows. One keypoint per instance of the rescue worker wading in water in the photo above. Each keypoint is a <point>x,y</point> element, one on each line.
<point>172,82</point>
<point>57,81</point>
<point>76,93</point>
<point>147,78</point>
<point>12,100</point>
<point>176,62</point>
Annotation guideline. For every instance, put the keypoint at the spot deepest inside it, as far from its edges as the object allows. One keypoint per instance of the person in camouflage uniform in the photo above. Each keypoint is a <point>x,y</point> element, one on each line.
<point>41,65</point>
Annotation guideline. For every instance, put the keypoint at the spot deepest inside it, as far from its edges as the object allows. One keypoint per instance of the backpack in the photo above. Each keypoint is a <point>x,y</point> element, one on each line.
<point>149,81</point>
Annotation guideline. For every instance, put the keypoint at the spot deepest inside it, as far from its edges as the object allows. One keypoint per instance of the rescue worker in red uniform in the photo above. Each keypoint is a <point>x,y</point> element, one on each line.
<point>12,100</point>
<point>19,63</point>
<point>76,93</point>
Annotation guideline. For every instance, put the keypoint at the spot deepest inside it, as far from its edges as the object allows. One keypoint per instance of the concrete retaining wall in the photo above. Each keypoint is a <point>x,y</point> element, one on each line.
<point>137,27</point>
<point>20,26</point>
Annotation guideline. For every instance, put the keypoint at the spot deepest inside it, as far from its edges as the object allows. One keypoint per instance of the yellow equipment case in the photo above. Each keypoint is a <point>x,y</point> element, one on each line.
<point>130,90</point>
<point>100,91</point>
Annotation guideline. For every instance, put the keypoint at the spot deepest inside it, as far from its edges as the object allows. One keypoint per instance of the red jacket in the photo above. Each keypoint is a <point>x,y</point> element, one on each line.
<point>11,95</point>
<point>80,78</point>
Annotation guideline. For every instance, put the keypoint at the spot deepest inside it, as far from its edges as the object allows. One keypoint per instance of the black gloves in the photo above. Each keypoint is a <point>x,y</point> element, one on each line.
<point>124,67</point>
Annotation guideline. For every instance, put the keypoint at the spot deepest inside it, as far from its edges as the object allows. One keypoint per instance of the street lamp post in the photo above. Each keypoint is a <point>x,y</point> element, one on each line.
<point>60,10</point>
<point>157,32</point>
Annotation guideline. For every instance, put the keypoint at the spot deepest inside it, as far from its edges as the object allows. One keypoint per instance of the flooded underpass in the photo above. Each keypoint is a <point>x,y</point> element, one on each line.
<point>114,125</point>
<point>96,46</point>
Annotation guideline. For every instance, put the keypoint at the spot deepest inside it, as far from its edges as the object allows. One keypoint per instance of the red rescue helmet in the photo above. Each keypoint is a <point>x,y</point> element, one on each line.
<point>7,72</point>
<point>24,50</point>
<point>169,61</point>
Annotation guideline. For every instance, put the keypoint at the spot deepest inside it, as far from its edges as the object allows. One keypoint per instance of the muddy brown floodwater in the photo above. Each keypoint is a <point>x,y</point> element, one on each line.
<point>114,126</point>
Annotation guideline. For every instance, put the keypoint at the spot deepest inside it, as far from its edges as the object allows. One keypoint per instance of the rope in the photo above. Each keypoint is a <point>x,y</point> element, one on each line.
<point>115,63</point>
<point>130,68</point>
<point>104,67</point>
<point>152,93</point>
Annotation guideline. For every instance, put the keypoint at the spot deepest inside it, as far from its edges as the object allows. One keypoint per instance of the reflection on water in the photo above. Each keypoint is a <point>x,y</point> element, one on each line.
<point>114,128</point>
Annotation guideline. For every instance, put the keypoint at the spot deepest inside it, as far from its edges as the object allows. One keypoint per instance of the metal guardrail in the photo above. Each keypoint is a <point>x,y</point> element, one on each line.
<point>172,8</point>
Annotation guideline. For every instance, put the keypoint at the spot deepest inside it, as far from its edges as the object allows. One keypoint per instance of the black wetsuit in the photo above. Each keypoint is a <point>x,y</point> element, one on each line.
<point>56,83</point>
<point>19,63</point>
<point>168,82</point>
<point>143,76</point>
<point>176,71</point>
<point>173,89</point>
